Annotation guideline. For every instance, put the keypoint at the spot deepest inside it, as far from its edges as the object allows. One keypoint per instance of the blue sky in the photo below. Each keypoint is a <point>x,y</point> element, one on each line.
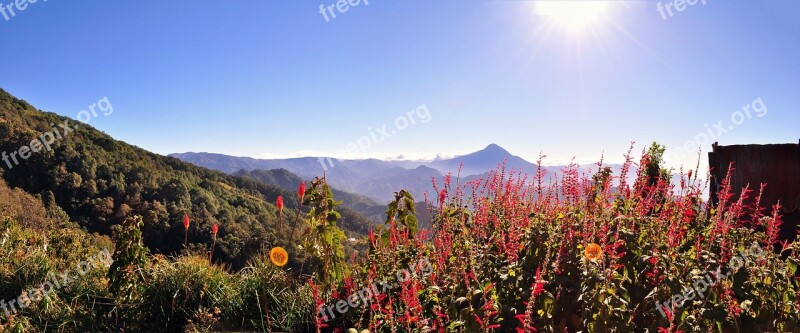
<point>273,78</point>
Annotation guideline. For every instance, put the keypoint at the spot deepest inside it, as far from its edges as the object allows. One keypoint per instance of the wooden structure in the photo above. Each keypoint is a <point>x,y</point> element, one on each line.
<point>777,165</point>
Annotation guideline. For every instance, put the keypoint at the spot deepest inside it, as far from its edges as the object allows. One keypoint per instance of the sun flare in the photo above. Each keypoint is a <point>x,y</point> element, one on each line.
<point>573,15</point>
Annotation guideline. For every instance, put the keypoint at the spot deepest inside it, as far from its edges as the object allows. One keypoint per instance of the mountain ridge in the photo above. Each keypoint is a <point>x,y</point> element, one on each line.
<point>376,178</point>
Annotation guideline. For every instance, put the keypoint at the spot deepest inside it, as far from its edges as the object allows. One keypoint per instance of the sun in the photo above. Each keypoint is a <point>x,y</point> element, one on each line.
<point>573,15</point>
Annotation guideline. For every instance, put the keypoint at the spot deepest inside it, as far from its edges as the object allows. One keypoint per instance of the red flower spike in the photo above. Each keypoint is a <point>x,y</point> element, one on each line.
<point>301,191</point>
<point>279,203</point>
<point>186,221</point>
<point>214,229</point>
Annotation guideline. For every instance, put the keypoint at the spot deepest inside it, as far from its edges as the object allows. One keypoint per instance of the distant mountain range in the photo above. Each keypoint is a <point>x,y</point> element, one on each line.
<point>374,178</point>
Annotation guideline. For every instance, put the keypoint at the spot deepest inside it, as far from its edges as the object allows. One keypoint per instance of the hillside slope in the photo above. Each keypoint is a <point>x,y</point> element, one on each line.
<point>99,181</point>
<point>288,181</point>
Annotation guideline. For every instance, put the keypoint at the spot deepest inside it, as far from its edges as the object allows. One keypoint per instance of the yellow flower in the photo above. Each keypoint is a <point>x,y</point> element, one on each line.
<point>593,252</point>
<point>278,256</point>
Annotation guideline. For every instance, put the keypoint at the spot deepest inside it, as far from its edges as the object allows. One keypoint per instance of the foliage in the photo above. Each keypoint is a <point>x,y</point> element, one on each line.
<point>580,255</point>
<point>651,163</point>
<point>34,245</point>
<point>130,256</point>
<point>402,211</point>
<point>513,256</point>
<point>322,238</point>
<point>587,253</point>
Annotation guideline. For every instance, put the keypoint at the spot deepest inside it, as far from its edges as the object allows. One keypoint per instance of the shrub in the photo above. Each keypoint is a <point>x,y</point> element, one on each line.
<point>35,248</point>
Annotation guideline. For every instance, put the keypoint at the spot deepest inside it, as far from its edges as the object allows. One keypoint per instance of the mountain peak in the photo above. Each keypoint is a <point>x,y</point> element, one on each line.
<point>482,161</point>
<point>494,148</point>
<point>492,155</point>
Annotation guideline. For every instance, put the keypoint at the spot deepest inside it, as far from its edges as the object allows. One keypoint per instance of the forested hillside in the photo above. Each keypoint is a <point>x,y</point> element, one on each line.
<point>350,201</point>
<point>99,181</point>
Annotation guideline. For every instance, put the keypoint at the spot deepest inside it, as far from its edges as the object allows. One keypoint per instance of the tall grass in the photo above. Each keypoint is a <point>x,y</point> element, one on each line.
<point>273,300</point>
<point>187,291</point>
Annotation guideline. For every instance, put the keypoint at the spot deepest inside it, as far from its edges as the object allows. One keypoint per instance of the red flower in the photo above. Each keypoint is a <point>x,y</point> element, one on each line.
<point>214,229</point>
<point>301,191</point>
<point>667,312</point>
<point>279,203</point>
<point>186,221</point>
<point>538,286</point>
